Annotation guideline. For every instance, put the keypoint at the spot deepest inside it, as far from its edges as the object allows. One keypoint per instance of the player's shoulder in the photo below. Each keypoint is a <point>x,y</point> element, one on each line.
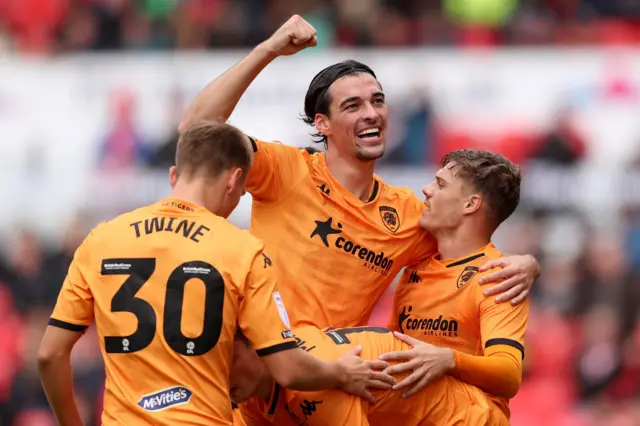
<point>402,197</point>
<point>235,237</point>
<point>490,252</point>
<point>112,228</point>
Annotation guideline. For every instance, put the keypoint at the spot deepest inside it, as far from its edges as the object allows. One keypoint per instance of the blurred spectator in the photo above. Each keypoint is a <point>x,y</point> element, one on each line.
<point>123,147</point>
<point>562,145</point>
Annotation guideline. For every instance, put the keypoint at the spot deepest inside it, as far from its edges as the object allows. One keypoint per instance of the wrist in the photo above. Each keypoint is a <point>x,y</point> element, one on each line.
<point>450,358</point>
<point>266,52</point>
<point>340,374</point>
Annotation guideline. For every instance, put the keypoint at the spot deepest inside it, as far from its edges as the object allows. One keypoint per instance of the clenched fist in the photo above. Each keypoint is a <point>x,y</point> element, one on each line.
<point>293,36</point>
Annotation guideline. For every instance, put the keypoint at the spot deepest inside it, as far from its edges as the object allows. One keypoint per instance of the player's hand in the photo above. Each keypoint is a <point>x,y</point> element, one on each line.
<point>293,36</point>
<point>427,362</point>
<point>518,273</point>
<point>361,374</point>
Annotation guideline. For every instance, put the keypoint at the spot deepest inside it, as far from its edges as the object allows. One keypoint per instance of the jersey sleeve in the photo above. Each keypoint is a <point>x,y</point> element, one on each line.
<point>502,323</point>
<point>263,317</point>
<point>276,169</point>
<point>74,308</point>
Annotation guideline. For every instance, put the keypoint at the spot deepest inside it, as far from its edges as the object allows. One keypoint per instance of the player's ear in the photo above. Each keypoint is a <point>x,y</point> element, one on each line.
<point>235,179</point>
<point>472,204</point>
<point>173,176</point>
<point>322,124</point>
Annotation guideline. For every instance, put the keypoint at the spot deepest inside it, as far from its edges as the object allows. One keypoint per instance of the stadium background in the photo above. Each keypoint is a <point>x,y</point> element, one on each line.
<point>91,92</point>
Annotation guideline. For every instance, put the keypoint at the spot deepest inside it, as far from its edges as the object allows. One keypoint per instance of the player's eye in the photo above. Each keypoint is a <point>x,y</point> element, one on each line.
<point>379,101</point>
<point>351,106</point>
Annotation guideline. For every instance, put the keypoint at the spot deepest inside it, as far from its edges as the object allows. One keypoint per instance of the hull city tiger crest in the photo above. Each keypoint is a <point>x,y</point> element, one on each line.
<point>466,275</point>
<point>390,218</point>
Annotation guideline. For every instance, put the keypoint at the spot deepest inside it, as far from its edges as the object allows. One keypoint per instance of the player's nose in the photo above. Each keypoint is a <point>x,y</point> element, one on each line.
<point>369,113</point>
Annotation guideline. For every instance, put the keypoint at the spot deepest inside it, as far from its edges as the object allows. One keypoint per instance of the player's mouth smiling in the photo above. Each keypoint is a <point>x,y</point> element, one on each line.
<point>370,134</point>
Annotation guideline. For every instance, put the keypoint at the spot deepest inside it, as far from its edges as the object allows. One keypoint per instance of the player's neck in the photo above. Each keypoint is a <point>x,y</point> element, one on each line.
<point>264,388</point>
<point>460,242</point>
<point>355,176</point>
<point>198,194</point>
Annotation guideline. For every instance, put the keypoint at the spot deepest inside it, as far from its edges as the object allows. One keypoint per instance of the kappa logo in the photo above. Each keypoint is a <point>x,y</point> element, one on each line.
<point>414,278</point>
<point>324,189</point>
<point>466,275</point>
<point>157,401</point>
<point>390,218</point>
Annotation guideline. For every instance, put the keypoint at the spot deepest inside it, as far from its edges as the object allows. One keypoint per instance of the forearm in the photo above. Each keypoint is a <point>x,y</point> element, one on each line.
<point>311,374</point>
<point>302,371</point>
<point>499,374</point>
<point>218,99</point>
<point>57,381</point>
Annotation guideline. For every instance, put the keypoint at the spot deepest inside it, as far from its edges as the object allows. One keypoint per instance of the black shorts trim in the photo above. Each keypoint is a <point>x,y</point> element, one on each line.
<point>67,325</point>
<point>277,348</point>
<point>507,342</point>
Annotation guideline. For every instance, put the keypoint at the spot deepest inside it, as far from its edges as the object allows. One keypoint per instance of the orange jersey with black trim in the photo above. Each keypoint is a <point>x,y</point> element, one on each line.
<point>444,402</point>
<point>441,302</point>
<point>340,253</point>
<point>167,285</point>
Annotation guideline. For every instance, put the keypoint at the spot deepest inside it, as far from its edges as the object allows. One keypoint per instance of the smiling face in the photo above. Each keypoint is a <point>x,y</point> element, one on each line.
<point>356,125</point>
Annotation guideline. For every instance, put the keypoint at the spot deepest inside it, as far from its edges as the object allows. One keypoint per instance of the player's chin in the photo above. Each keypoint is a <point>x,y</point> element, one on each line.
<point>424,221</point>
<point>371,152</point>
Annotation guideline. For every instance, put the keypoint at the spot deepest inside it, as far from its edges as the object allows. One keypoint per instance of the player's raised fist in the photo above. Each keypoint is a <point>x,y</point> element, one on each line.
<point>293,36</point>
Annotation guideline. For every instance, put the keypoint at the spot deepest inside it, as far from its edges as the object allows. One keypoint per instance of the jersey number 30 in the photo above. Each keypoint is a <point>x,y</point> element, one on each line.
<point>139,271</point>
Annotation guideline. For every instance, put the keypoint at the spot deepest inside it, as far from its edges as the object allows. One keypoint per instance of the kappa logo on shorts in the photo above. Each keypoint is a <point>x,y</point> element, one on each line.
<point>466,275</point>
<point>165,398</point>
<point>390,218</point>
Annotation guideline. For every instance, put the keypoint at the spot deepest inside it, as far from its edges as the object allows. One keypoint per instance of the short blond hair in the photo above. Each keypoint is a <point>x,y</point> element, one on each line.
<point>209,148</point>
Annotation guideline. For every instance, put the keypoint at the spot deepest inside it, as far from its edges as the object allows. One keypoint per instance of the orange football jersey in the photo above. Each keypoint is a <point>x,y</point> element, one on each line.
<point>444,402</point>
<point>340,253</point>
<point>441,302</point>
<point>167,285</point>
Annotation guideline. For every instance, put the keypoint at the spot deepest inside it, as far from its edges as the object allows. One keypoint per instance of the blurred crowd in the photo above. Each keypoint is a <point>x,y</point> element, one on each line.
<point>55,26</point>
<point>581,364</point>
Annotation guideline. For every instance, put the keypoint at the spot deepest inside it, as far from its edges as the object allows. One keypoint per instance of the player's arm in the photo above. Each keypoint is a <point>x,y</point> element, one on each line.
<point>54,366</point>
<point>264,321</point>
<point>218,99</point>
<point>516,277</point>
<point>499,371</point>
<point>70,318</point>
